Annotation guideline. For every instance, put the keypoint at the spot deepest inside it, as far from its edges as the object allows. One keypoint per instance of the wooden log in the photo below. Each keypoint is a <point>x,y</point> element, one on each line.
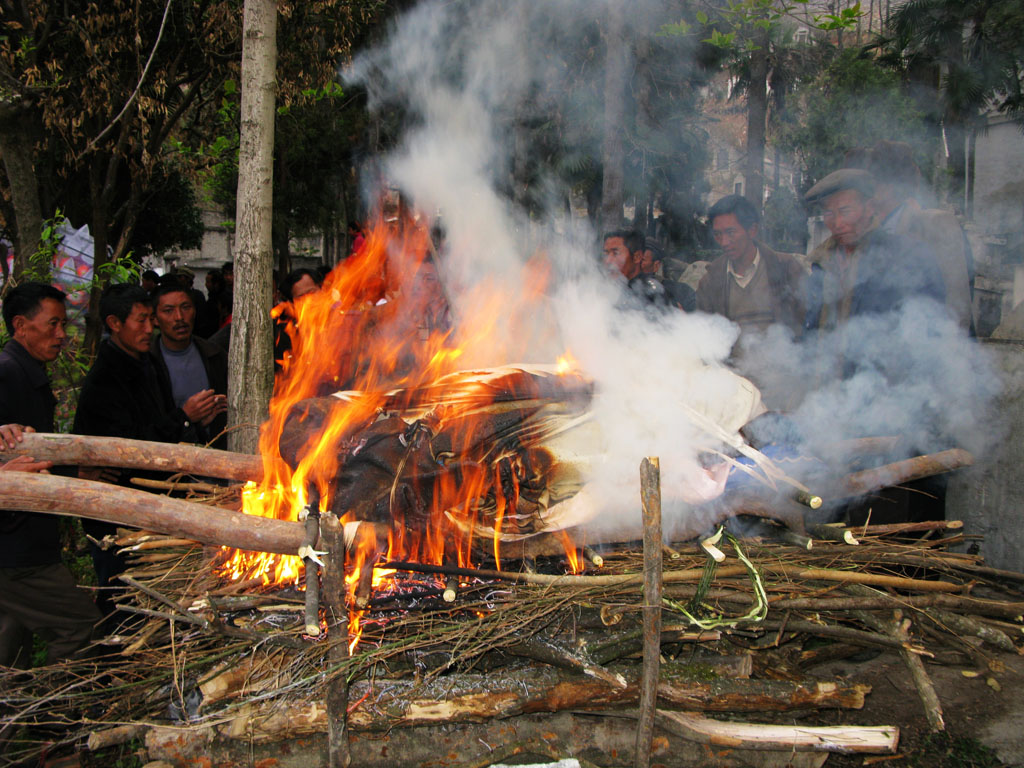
<point>885,601</point>
<point>859,483</point>
<point>56,495</point>
<point>90,451</point>
<point>898,629</point>
<point>844,739</point>
<point>111,737</point>
<point>923,525</point>
<point>966,626</point>
<point>461,745</point>
<point>385,704</point>
<point>336,611</point>
<point>650,502</point>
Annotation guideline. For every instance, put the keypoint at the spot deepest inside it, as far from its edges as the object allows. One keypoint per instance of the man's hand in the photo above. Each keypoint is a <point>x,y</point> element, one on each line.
<point>203,407</point>
<point>25,464</point>
<point>100,474</point>
<point>10,435</point>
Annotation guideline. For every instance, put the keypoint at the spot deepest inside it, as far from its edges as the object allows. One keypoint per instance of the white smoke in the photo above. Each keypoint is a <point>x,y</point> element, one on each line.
<point>461,72</point>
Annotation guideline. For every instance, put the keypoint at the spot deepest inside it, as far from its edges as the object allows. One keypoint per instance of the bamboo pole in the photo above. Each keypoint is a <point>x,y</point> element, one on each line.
<point>90,451</point>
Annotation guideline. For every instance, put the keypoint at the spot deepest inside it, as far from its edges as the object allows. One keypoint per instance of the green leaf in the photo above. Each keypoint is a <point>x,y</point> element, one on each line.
<point>678,29</point>
<point>702,17</point>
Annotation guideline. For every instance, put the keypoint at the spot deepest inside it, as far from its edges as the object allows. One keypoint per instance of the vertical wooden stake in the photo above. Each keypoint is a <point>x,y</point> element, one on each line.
<point>650,499</point>
<point>337,636</point>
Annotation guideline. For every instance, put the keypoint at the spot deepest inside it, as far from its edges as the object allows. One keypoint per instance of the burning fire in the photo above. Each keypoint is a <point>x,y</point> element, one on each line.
<point>378,336</point>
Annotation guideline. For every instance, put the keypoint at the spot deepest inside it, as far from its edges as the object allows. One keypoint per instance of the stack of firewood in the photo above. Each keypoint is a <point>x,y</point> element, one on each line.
<point>231,659</point>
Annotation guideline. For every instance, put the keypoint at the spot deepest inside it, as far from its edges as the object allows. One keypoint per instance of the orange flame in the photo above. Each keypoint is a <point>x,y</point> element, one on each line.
<point>380,323</point>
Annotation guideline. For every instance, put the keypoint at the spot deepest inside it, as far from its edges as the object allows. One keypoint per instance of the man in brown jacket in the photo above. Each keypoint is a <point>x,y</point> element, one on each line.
<point>749,283</point>
<point>757,288</point>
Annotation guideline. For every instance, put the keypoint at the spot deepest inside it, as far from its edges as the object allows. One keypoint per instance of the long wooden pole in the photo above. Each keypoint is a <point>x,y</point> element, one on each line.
<point>336,610</point>
<point>650,500</point>
<point>53,494</point>
<point>904,471</point>
<point>89,451</point>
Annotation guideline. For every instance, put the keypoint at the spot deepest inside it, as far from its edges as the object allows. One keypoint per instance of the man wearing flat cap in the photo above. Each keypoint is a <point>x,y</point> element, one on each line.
<point>861,270</point>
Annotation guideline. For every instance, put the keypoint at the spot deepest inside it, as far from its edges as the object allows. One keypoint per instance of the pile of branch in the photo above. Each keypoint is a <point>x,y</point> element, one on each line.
<point>229,660</point>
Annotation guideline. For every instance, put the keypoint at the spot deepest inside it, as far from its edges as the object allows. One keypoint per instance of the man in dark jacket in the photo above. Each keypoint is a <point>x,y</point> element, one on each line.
<point>37,591</point>
<point>122,397</point>
<point>861,271</point>
<point>187,364</point>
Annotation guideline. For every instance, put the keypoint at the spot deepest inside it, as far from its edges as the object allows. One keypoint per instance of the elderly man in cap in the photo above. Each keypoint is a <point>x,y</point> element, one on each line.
<point>862,270</point>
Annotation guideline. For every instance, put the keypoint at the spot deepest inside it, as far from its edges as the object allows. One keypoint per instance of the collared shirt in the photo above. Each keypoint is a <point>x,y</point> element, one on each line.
<point>744,280</point>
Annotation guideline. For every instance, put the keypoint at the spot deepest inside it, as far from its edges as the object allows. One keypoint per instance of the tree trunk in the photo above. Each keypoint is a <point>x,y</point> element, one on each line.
<point>16,147</point>
<point>757,122</point>
<point>251,353</point>
<point>613,154</point>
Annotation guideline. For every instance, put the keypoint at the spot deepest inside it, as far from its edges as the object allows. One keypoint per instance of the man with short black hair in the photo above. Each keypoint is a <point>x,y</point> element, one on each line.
<point>150,280</point>
<point>300,282</point>
<point>623,252</point>
<point>122,397</point>
<point>37,591</point>
<point>749,283</point>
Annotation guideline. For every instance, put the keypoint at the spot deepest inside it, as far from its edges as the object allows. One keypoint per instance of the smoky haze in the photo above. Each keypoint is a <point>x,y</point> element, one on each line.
<point>464,76</point>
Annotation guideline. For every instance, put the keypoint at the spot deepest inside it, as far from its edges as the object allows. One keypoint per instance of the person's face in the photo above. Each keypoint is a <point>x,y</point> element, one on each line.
<point>426,290</point>
<point>648,264</point>
<point>304,285</point>
<point>618,257</point>
<point>135,333</point>
<point>43,333</point>
<point>735,241</point>
<point>848,216</point>
<point>176,317</point>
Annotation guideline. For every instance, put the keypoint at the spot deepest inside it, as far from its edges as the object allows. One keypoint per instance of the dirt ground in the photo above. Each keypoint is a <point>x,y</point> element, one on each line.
<point>988,707</point>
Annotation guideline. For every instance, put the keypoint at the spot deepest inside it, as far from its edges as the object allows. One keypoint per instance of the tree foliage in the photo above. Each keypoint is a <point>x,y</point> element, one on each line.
<point>108,94</point>
<point>974,47</point>
<point>854,102</point>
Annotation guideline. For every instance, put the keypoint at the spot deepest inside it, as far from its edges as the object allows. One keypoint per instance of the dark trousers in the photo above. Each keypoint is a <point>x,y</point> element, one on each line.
<point>43,599</point>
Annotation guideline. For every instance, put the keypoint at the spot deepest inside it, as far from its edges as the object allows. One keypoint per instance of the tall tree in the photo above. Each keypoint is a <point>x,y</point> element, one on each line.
<point>616,52</point>
<point>99,89</point>
<point>756,34</point>
<point>853,102</point>
<point>251,350</point>
<point>969,55</point>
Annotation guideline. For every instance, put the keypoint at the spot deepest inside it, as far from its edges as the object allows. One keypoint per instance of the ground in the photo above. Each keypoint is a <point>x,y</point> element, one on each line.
<point>974,708</point>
